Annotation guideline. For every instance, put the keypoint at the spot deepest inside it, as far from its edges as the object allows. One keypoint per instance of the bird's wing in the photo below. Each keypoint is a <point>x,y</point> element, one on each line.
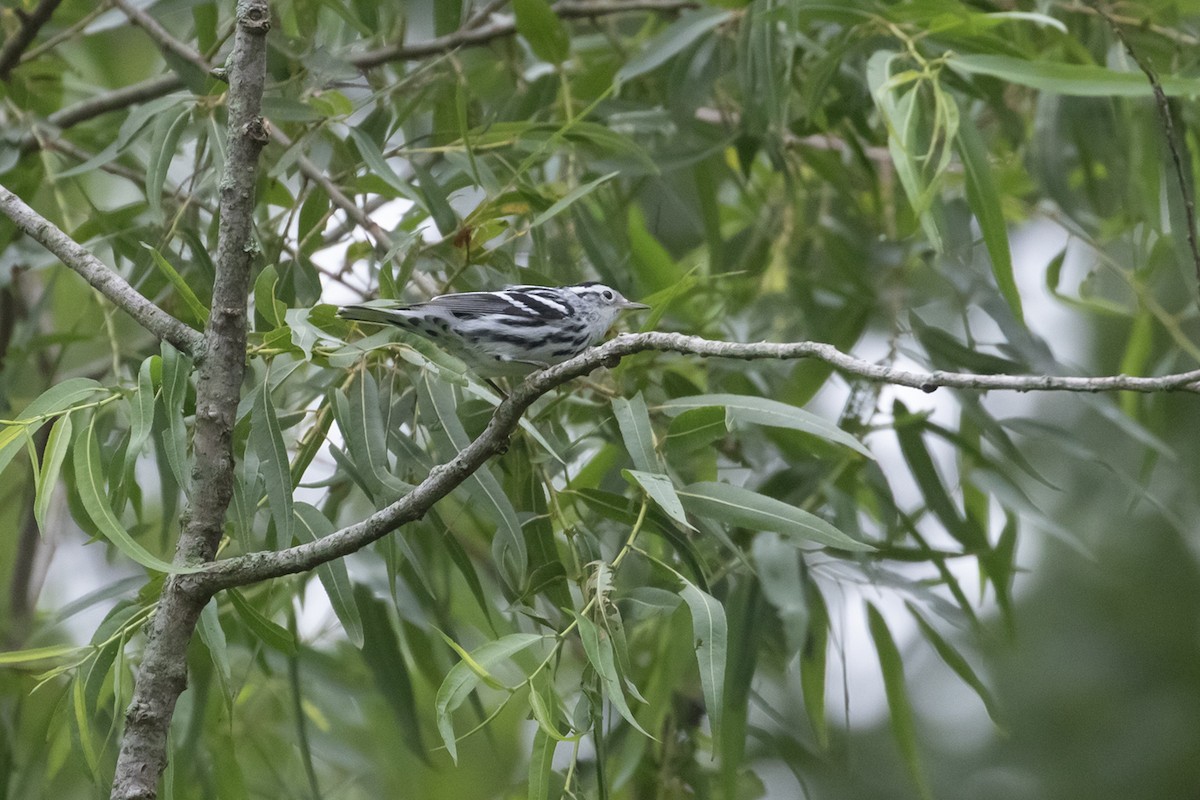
<point>511,302</point>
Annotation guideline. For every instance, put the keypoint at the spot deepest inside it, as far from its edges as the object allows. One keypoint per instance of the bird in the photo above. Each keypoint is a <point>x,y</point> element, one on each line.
<point>510,332</point>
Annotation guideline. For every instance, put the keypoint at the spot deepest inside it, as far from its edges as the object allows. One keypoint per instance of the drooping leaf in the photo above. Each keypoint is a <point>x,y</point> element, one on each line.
<point>762,411</point>
<point>465,676</point>
<point>745,508</point>
<point>904,727</point>
<point>90,484</point>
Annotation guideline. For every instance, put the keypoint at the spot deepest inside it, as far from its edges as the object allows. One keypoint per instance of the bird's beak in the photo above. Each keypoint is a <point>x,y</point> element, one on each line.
<point>629,305</point>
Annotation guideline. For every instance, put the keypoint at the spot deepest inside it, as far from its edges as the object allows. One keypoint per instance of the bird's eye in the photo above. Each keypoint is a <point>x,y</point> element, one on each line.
<point>608,295</point>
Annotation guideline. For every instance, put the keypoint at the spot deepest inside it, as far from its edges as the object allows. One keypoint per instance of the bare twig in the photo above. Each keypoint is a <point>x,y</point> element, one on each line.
<point>162,675</point>
<point>445,478</point>
<point>10,54</point>
<point>1174,145</point>
<point>100,276</point>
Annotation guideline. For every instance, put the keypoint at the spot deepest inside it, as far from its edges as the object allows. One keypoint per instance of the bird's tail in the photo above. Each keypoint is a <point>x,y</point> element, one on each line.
<point>390,314</point>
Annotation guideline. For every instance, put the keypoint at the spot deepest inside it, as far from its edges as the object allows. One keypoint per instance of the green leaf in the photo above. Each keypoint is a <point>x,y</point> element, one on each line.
<point>142,416</point>
<point>599,650</point>
<point>660,489</point>
<point>956,662</point>
<point>89,479</point>
<point>634,421</point>
<point>213,636</point>
<point>176,367</point>
<point>678,36</point>
<point>268,632</point>
<point>541,764</point>
<point>984,199</point>
<point>52,461</point>
<point>508,544</point>
<point>266,304</point>
<point>163,147</point>
<point>267,440</point>
<point>463,678</point>
<point>710,635</point>
<point>50,653</point>
<point>1079,80</point>
<point>333,575</point>
<point>87,739</point>
<point>813,659</point>
<point>748,509</point>
<point>571,197</point>
<point>198,310</point>
<point>542,28</point>
<point>778,567</point>
<point>382,655</point>
<point>903,725</point>
<point>761,411</point>
<point>377,165</point>
<point>695,428</point>
<point>49,403</point>
<point>921,465</point>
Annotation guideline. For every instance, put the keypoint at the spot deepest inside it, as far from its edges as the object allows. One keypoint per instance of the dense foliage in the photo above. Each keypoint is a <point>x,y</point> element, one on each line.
<point>684,572</point>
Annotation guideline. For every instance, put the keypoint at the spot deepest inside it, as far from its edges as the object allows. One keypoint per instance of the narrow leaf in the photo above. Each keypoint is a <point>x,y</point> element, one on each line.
<point>382,655</point>
<point>678,36</point>
<point>749,509</point>
<point>89,478</point>
<point>711,639</point>
<point>56,451</point>
<point>54,400</point>
<point>660,489</point>
<point>268,632</point>
<point>267,440</point>
<point>956,662</point>
<point>213,636</point>
<point>313,525</point>
<point>541,765</point>
<point>984,200</point>
<point>903,724</point>
<point>634,421</point>
<point>761,411</point>
<point>462,679</point>
<point>599,651</point>
<point>1079,80</point>
<point>198,310</point>
<point>176,367</point>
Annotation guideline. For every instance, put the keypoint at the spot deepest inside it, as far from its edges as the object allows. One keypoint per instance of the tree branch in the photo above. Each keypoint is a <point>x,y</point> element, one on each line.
<point>10,54</point>
<point>162,675</point>
<point>164,39</point>
<point>101,277</point>
<point>255,567</point>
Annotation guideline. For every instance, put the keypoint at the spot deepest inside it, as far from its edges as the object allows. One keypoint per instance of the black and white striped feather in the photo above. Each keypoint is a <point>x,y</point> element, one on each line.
<point>509,332</point>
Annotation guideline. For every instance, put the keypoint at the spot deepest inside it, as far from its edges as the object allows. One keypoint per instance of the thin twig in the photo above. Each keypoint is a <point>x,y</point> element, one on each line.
<point>10,54</point>
<point>164,39</point>
<point>1174,145</point>
<point>442,480</point>
<point>101,276</point>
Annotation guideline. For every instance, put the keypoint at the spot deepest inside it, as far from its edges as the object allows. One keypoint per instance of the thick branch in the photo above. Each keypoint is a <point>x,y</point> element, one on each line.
<point>162,675</point>
<point>103,279</point>
<point>444,479</point>
<point>10,54</point>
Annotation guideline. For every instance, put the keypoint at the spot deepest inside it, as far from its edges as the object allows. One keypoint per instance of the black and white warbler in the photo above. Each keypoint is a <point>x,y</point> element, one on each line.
<point>510,332</point>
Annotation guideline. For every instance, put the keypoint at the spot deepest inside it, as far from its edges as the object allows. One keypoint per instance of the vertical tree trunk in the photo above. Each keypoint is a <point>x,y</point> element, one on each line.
<point>162,675</point>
